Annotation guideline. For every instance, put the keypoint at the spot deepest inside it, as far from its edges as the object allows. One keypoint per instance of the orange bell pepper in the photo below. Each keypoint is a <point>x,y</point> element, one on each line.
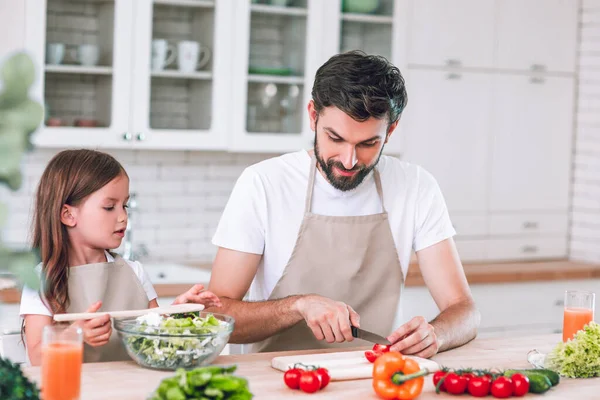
<point>396,377</point>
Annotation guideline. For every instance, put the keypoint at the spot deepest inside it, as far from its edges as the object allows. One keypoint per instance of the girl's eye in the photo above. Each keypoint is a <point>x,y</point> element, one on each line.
<point>109,208</point>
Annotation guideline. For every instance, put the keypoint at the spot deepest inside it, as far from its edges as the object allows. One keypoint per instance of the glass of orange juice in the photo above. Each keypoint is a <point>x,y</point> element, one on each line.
<point>62,356</point>
<point>579,311</point>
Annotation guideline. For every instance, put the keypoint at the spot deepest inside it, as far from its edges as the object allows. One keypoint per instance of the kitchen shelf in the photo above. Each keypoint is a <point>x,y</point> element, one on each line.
<point>78,69</point>
<point>187,3</point>
<point>367,18</point>
<point>289,80</point>
<point>183,75</point>
<point>279,10</point>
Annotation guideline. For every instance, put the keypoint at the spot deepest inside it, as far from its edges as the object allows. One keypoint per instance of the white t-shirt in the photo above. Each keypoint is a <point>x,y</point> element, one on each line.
<point>31,303</point>
<point>265,211</point>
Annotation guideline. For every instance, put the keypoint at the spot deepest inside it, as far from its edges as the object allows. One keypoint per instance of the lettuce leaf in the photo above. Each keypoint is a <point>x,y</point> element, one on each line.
<point>579,357</point>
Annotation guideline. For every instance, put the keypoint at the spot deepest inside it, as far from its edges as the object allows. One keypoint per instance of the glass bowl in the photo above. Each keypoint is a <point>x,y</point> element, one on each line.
<point>169,348</point>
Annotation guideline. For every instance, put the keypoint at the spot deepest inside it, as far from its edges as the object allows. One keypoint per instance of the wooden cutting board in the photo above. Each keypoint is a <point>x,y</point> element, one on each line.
<point>343,365</point>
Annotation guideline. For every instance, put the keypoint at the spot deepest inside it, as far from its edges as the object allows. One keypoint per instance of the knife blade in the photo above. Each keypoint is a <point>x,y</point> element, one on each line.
<point>369,336</point>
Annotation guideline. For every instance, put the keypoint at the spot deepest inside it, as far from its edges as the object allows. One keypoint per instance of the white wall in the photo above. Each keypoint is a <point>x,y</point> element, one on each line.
<point>12,21</point>
<point>585,231</point>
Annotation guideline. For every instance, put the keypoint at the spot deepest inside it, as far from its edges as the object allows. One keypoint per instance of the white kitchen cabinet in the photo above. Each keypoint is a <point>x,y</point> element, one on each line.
<point>532,139</point>
<point>276,56</point>
<point>527,247</point>
<point>529,224</point>
<point>174,109</point>
<point>74,92</point>
<point>449,114</point>
<point>528,307</point>
<point>457,33</point>
<point>133,106</point>
<point>537,35</point>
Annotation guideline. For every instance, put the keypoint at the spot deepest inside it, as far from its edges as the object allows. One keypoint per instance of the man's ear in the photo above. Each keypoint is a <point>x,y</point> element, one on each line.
<point>312,115</point>
<point>391,130</point>
<point>67,216</point>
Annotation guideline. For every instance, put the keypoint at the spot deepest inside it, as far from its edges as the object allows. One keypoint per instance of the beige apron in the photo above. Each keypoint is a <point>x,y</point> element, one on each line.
<point>349,259</point>
<point>117,286</point>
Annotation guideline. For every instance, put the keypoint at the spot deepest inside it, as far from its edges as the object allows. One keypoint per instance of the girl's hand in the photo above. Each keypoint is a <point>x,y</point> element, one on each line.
<point>198,295</point>
<point>97,331</point>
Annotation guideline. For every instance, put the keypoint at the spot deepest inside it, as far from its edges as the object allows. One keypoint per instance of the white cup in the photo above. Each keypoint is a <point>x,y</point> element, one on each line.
<point>192,56</point>
<point>163,54</point>
<point>86,54</point>
<point>55,53</point>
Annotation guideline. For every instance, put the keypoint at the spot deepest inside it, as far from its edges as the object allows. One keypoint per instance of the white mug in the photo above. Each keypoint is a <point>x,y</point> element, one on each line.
<point>192,56</point>
<point>55,53</point>
<point>86,54</point>
<point>163,54</point>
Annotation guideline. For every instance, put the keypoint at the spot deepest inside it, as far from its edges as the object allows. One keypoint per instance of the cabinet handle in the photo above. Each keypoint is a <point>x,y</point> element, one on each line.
<point>538,67</point>
<point>453,76</point>
<point>452,62</point>
<point>140,137</point>
<point>530,225</point>
<point>536,80</point>
<point>127,136</point>
<point>529,249</point>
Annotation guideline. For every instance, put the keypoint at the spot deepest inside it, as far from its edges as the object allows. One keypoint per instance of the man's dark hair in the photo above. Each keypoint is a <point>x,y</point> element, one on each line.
<point>360,85</point>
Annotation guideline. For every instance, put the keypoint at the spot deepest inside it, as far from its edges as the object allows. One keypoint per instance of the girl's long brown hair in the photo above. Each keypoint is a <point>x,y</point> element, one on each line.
<point>70,177</point>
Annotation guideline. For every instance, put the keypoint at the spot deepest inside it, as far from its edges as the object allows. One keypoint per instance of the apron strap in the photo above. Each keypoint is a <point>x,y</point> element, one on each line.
<point>379,189</point>
<point>311,185</point>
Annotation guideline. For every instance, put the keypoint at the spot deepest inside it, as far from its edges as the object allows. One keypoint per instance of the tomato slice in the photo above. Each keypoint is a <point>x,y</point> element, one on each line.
<point>381,348</point>
<point>372,355</point>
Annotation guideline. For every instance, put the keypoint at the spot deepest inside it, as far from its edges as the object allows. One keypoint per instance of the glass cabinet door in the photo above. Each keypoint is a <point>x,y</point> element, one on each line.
<point>181,73</point>
<point>83,52</point>
<point>275,44</point>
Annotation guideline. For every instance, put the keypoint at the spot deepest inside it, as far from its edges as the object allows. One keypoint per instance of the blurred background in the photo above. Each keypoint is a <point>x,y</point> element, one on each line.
<point>503,109</point>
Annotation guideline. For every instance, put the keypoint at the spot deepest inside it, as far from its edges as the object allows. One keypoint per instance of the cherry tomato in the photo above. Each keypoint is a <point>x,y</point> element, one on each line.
<point>381,348</point>
<point>324,376</point>
<point>292,378</point>
<point>455,384</point>
<point>479,386</point>
<point>437,377</point>
<point>467,376</point>
<point>502,388</point>
<point>372,355</point>
<point>520,385</point>
<point>310,381</point>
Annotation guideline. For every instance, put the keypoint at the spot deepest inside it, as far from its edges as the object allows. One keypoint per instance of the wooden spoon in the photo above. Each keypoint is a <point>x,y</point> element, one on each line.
<point>173,309</point>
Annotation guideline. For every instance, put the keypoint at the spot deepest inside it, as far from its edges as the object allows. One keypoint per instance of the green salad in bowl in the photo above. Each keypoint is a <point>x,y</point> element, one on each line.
<point>185,340</point>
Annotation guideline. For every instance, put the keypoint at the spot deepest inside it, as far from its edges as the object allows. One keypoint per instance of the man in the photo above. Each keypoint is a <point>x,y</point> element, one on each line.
<point>323,238</point>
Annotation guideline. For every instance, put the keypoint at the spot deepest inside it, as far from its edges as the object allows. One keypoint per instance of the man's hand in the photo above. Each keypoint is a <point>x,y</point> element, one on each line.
<point>417,337</point>
<point>328,319</point>
<point>97,331</point>
<point>197,294</point>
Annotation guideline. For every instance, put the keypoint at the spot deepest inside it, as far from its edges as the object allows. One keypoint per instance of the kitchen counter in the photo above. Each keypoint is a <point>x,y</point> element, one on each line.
<point>481,273</point>
<point>125,380</point>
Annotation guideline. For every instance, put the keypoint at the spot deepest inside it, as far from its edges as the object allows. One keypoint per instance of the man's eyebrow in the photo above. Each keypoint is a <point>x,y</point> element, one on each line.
<point>330,130</point>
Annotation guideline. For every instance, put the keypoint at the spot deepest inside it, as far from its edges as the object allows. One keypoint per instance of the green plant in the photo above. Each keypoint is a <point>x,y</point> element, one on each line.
<point>14,385</point>
<point>19,118</point>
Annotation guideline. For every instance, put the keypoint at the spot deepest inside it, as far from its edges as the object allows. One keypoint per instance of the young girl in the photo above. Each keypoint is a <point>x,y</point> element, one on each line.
<point>81,213</point>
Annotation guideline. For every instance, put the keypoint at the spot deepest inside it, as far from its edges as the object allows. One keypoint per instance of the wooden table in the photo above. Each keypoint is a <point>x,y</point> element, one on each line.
<point>125,380</point>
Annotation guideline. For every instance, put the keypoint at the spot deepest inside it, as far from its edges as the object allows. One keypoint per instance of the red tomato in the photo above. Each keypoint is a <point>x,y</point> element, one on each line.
<point>467,376</point>
<point>437,377</point>
<point>292,378</point>
<point>479,386</point>
<point>324,376</point>
<point>381,348</point>
<point>520,385</point>
<point>372,355</point>
<point>310,381</point>
<point>455,384</point>
<point>502,388</point>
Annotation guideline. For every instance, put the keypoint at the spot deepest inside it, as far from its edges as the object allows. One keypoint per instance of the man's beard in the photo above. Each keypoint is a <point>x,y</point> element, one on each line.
<point>344,183</point>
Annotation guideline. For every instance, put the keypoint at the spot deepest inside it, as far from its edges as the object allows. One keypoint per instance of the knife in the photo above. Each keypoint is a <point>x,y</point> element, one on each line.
<point>369,336</point>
